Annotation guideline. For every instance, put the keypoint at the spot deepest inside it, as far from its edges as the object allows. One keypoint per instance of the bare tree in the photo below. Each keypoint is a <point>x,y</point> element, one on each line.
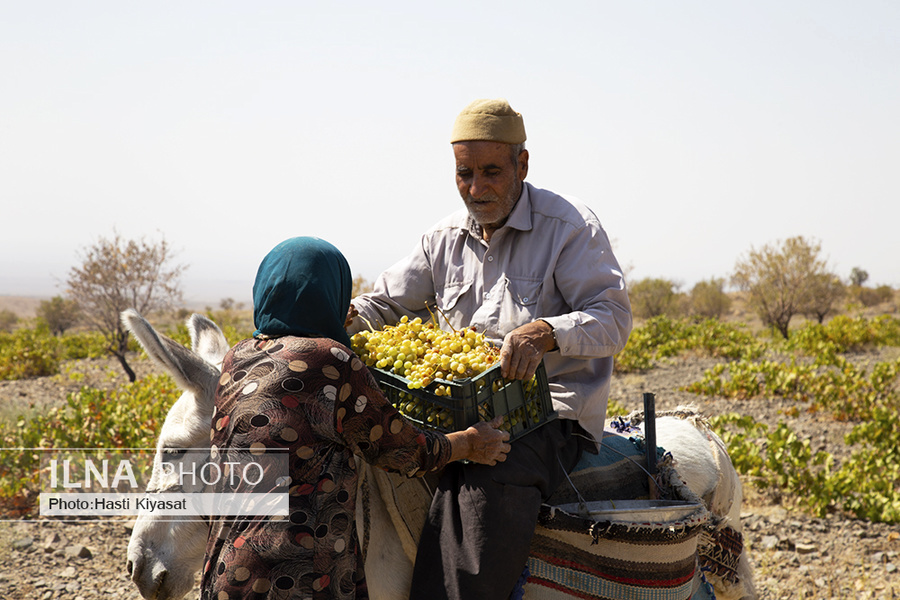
<point>117,274</point>
<point>780,279</point>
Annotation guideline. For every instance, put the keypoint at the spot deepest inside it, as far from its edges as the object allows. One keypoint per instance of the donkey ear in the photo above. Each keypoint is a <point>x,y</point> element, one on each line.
<point>207,339</point>
<point>190,371</point>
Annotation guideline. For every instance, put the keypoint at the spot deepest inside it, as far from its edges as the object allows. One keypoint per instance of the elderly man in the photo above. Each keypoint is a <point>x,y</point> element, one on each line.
<point>535,272</point>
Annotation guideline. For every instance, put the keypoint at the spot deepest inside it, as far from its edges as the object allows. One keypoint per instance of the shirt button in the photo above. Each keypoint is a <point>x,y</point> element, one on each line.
<point>490,259</point>
<point>524,299</point>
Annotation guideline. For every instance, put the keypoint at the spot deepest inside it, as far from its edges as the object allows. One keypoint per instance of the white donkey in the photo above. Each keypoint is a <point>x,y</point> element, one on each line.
<point>164,556</point>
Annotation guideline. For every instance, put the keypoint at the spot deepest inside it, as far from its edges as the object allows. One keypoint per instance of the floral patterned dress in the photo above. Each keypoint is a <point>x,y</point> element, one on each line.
<point>317,399</point>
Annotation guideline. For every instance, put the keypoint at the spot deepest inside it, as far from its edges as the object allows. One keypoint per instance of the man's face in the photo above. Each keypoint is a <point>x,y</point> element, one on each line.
<point>489,181</point>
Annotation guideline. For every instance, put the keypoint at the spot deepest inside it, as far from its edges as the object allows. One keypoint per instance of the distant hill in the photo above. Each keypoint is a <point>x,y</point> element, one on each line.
<point>23,306</point>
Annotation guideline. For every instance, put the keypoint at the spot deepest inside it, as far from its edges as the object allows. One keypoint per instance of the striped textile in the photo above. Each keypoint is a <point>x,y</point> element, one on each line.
<point>574,557</point>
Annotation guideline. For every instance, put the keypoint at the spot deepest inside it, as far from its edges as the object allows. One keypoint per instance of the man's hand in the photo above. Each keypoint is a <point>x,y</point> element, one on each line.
<point>523,349</point>
<point>352,313</point>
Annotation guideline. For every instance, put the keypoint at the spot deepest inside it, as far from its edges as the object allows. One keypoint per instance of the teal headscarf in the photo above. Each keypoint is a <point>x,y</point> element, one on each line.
<point>303,288</point>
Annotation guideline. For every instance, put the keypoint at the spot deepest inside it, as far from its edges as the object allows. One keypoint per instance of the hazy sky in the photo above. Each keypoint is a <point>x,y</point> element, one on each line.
<point>695,130</point>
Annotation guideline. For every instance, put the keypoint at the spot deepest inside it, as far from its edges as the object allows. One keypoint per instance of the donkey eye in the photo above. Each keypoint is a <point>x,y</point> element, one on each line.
<point>174,451</point>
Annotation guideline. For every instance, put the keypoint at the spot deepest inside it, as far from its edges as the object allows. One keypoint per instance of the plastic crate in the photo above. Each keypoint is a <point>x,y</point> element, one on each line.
<point>525,405</point>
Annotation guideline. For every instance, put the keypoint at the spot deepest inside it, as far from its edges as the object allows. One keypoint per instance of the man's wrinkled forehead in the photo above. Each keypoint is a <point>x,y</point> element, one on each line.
<point>482,155</point>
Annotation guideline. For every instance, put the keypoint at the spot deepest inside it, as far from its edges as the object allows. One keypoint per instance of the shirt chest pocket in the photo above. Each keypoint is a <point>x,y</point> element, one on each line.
<point>450,296</point>
<point>524,298</point>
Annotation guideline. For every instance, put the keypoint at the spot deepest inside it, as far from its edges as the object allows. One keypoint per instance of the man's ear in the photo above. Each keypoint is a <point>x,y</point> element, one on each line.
<point>522,165</point>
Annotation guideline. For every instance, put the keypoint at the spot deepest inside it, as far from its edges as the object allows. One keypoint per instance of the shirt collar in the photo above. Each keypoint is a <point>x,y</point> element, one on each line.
<point>519,218</point>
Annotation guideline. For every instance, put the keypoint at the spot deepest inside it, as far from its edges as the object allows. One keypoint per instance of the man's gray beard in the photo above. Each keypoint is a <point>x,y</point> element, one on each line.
<point>489,197</point>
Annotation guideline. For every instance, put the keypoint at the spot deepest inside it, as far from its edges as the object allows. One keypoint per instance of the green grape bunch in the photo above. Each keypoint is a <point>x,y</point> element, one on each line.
<point>422,352</point>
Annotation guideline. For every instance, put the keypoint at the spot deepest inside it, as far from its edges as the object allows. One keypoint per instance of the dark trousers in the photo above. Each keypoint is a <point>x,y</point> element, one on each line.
<point>476,539</point>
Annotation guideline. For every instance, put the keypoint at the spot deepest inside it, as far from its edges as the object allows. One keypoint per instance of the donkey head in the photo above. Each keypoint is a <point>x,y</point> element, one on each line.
<point>165,554</point>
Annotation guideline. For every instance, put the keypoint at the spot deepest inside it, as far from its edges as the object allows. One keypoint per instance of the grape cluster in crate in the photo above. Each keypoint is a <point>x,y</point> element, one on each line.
<point>448,380</point>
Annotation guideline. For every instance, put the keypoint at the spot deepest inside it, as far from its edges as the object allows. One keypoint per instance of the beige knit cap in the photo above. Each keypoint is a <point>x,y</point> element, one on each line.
<point>489,120</point>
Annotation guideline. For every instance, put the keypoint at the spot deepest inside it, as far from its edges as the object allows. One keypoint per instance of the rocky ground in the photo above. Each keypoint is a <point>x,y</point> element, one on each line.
<point>794,555</point>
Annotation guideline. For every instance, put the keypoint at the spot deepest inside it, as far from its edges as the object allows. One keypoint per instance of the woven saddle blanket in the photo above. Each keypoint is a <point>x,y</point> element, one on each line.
<point>568,558</point>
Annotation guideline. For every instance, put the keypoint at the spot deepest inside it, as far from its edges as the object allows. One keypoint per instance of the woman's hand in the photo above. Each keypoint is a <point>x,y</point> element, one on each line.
<point>482,443</point>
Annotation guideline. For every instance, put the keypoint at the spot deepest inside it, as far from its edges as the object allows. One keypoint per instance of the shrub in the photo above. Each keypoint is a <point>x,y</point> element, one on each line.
<point>870,476</point>
<point>653,297</point>
<point>849,392</point>
<point>37,352</point>
<point>128,417</point>
<point>708,299</point>
<point>28,353</point>
<point>230,314</point>
<point>8,320</point>
<point>844,334</point>
<point>232,334</point>
<point>864,485</point>
<point>59,313</point>
<point>87,344</point>
<point>824,292</point>
<point>869,297</point>
<point>661,337</point>
<point>858,276</point>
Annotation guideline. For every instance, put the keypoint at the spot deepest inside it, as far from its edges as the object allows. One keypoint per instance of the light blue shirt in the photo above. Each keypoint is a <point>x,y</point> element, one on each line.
<point>552,261</point>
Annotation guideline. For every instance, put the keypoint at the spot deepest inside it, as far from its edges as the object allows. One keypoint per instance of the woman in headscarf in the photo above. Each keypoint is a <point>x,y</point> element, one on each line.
<point>297,385</point>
